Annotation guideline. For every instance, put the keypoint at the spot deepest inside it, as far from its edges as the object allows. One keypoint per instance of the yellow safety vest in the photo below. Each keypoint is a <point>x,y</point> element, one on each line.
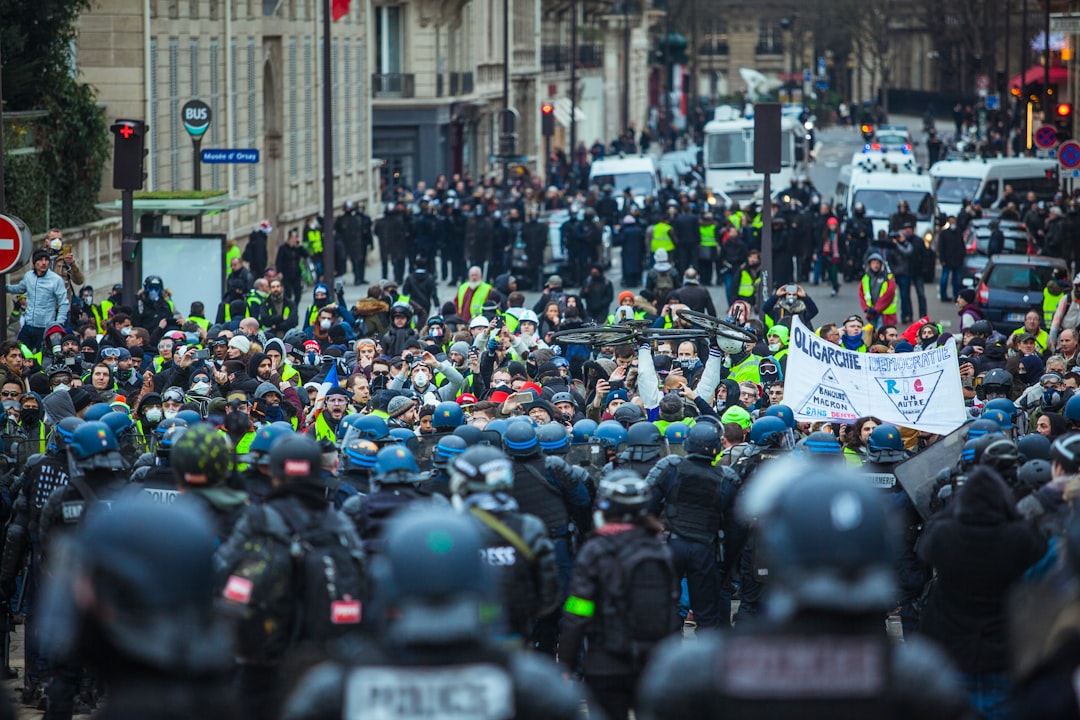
<point>479,296</point>
<point>200,321</point>
<point>1049,305</point>
<point>708,236</point>
<point>747,370</point>
<point>748,284</point>
<point>638,315</point>
<point>1042,338</point>
<point>661,237</point>
<point>314,241</point>
<point>736,219</point>
<point>891,310</point>
<point>322,429</point>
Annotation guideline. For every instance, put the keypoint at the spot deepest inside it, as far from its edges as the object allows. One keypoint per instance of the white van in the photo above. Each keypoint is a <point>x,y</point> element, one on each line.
<point>880,191</point>
<point>985,180</point>
<point>637,172</point>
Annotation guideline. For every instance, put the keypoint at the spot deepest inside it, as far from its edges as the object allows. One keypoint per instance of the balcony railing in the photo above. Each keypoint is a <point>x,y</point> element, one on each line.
<point>393,85</point>
<point>556,58</point>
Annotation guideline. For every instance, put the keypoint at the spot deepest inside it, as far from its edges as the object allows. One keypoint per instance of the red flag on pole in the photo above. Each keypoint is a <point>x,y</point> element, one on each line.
<point>339,9</point>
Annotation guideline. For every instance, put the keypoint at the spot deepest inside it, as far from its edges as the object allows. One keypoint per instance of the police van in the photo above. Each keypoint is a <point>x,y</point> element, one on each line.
<point>880,191</point>
<point>636,172</point>
<point>985,180</point>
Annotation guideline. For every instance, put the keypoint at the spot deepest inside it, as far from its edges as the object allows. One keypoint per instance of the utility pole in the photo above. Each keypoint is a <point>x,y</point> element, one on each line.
<point>506,96</point>
<point>328,154</point>
<point>626,66</point>
<point>3,202</point>
<point>573,95</point>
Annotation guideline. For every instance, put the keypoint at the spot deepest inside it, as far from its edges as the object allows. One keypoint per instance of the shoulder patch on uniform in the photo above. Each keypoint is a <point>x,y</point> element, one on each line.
<point>238,590</point>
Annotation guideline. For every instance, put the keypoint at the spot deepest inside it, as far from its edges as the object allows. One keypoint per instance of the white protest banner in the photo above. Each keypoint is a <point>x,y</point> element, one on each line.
<point>920,390</point>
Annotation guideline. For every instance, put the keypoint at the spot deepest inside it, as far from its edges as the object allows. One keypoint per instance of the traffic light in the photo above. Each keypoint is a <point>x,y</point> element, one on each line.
<point>547,115</point>
<point>1063,119</point>
<point>129,149</point>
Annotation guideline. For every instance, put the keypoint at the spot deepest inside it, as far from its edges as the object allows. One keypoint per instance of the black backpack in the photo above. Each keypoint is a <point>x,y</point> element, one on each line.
<point>640,591</point>
<point>303,588</point>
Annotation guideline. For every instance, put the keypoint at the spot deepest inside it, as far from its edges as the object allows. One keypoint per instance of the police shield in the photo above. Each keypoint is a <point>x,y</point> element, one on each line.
<point>423,447</point>
<point>590,456</point>
<point>917,474</point>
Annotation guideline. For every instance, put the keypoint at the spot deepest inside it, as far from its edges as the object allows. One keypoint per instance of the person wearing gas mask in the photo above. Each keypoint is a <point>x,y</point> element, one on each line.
<point>148,413</point>
<point>153,308</point>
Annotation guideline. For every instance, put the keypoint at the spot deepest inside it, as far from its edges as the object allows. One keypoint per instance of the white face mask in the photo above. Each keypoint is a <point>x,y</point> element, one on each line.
<point>125,331</point>
<point>324,324</point>
<point>170,414</point>
<point>775,347</point>
<point>420,379</point>
<point>153,415</point>
<point>201,387</point>
<point>56,244</point>
<point>62,387</point>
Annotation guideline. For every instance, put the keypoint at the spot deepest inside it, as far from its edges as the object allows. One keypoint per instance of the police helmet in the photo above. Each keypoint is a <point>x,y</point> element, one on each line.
<point>191,417</point>
<point>643,435</point>
<point>628,414</point>
<point>1066,450</point>
<point>768,431</point>
<point>447,416</point>
<point>783,412</point>
<point>295,458</point>
<point>359,456</point>
<point>623,495</point>
<point>119,423</point>
<point>163,427</point>
<point>676,433</point>
<point>998,452</point>
<point>1033,474</point>
<point>820,443</point>
<point>365,427</point>
<point>1003,420</point>
<point>401,435</point>
<point>61,436</point>
<point>400,309</point>
<point>982,327</point>
<point>95,447</point>
<point>520,440</point>
<point>395,465</point>
<point>96,411</point>
<point>885,445</point>
<point>583,431</point>
<point>481,469</point>
<point>859,209</point>
<point>168,440</point>
<point>610,434</point>
<point>553,438</point>
<point>448,447</point>
<point>201,457</point>
<point>703,440</point>
<point>970,451</point>
<point>432,574</point>
<point>982,427</point>
<point>265,437</point>
<point>471,434</point>
<point>829,545</point>
<point>152,579</point>
<point>1004,404</point>
<point>1033,447</point>
<point>1072,409</point>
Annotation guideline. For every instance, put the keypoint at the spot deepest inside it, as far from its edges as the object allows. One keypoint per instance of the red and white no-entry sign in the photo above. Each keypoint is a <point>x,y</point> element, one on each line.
<point>15,242</point>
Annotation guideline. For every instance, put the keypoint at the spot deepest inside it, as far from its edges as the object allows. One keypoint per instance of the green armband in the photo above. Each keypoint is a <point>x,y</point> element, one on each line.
<point>579,606</point>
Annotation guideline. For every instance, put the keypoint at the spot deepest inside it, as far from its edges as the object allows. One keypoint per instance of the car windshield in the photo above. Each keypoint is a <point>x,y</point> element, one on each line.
<point>640,183</point>
<point>880,204</point>
<point>736,149</point>
<point>1014,244</point>
<point>955,189</point>
<point>1027,278</point>
<point>892,139</point>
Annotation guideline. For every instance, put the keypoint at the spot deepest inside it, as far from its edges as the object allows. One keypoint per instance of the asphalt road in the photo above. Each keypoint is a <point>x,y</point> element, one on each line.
<point>836,146</point>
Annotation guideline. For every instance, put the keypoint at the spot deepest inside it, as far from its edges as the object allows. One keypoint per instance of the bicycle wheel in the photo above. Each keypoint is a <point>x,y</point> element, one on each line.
<point>604,335</point>
<point>716,326</point>
<point>660,334</point>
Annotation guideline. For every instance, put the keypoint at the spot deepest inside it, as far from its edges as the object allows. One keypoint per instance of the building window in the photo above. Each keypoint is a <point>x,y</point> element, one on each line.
<point>194,68</point>
<point>294,128</point>
<point>388,40</point>
<point>214,9</point>
<point>361,115</point>
<point>174,113</point>
<point>194,9</point>
<point>215,100</point>
<point>347,107</point>
<point>309,102</point>
<point>252,115</point>
<point>770,38</point>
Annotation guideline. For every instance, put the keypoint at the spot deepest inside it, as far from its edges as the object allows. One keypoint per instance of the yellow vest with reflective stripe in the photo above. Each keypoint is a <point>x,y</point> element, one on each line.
<point>708,236</point>
<point>479,296</point>
<point>200,321</point>
<point>891,310</point>
<point>1049,307</point>
<point>322,429</point>
<point>661,237</point>
<point>747,370</point>
<point>748,284</point>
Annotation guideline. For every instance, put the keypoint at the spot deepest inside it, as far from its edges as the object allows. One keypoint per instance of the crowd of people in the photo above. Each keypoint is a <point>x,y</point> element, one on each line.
<point>460,505</point>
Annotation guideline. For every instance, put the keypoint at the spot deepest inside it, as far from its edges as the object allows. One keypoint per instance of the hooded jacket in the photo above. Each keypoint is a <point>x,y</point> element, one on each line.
<point>47,300</point>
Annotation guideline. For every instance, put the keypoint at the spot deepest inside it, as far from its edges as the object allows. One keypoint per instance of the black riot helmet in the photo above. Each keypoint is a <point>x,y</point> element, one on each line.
<point>703,441</point>
<point>148,596</point>
<point>1033,446</point>
<point>629,417</point>
<point>201,457</point>
<point>432,575</point>
<point>295,458</point>
<point>622,495</point>
<point>829,545</point>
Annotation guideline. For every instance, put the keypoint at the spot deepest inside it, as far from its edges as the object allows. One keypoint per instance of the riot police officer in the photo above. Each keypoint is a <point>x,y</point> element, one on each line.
<point>643,445</point>
<point>133,601</point>
<point>554,491</point>
<point>859,230</point>
<point>695,496</point>
<point>622,594</point>
<point>516,546</point>
<point>159,482</point>
<point>433,579</point>
<point>831,549</point>
<point>201,461</point>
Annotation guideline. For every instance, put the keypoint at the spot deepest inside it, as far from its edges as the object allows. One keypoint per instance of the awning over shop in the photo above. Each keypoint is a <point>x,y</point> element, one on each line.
<point>1035,76</point>
<point>561,110</point>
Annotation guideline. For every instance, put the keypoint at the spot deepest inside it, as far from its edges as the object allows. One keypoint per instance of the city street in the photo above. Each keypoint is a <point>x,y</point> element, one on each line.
<point>836,148</point>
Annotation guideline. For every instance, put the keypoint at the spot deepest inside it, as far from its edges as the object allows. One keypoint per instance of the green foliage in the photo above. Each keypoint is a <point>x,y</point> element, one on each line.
<point>73,140</point>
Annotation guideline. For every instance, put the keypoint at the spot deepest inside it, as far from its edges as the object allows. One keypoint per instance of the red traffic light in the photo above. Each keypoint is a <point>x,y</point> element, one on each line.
<point>547,108</point>
<point>1064,110</point>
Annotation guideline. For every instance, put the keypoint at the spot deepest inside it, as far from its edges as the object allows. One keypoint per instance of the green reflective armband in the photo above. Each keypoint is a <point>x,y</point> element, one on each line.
<point>579,606</point>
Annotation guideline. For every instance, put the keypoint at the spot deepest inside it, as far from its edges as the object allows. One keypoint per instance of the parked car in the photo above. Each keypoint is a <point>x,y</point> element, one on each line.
<point>1013,284</point>
<point>977,242</point>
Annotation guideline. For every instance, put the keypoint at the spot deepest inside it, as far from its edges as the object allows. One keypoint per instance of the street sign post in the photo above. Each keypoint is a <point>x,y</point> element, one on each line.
<point>1046,137</point>
<point>1069,155</point>
<point>15,247</point>
<point>196,117</point>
